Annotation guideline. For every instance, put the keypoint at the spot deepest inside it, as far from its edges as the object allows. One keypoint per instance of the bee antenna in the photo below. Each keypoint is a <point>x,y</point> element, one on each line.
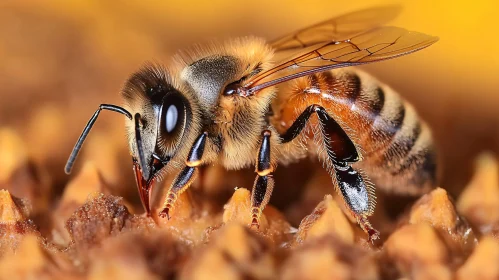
<point>86,130</point>
<point>140,148</point>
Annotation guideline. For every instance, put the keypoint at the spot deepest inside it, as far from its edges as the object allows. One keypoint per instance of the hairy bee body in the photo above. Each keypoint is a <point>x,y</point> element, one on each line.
<point>394,148</point>
<point>395,144</point>
<point>234,105</point>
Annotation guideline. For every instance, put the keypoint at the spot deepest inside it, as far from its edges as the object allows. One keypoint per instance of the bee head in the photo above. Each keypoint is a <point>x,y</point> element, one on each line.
<point>162,117</point>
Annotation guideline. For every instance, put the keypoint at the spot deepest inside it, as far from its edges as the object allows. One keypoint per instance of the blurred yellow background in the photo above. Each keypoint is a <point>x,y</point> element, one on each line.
<point>60,59</point>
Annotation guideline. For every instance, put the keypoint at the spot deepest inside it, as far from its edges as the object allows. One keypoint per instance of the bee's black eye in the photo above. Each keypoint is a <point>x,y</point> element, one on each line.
<point>174,113</point>
<point>171,118</point>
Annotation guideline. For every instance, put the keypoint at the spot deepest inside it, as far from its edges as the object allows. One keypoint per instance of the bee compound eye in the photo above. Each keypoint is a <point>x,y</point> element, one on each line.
<point>171,118</point>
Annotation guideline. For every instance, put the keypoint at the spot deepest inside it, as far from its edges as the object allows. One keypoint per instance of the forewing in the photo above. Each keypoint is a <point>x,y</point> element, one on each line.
<point>337,29</point>
<point>375,45</point>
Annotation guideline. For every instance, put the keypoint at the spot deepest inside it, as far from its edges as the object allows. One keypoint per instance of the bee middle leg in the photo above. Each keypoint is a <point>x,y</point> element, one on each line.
<point>341,153</point>
<point>264,182</point>
<point>185,178</point>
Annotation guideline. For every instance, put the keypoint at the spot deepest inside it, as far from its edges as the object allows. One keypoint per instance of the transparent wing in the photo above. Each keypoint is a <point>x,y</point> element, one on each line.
<point>337,29</point>
<point>375,45</point>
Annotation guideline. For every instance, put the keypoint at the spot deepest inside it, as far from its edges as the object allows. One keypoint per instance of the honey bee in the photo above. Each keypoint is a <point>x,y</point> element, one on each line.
<point>229,103</point>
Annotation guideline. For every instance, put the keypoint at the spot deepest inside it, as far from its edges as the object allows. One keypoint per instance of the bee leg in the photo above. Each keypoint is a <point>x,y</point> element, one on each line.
<point>185,178</point>
<point>341,152</point>
<point>264,183</point>
<point>357,195</point>
<point>339,146</point>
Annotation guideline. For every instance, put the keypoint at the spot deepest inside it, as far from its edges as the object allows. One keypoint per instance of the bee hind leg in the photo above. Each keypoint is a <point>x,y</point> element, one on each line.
<point>264,182</point>
<point>358,196</point>
<point>355,189</point>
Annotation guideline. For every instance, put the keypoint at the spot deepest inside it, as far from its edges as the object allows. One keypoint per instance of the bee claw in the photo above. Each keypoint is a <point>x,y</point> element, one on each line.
<point>255,223</point>
<point>373,235</point>
<point>165,213</point>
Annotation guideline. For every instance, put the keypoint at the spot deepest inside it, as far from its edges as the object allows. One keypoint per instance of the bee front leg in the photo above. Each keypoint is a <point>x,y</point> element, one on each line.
<point>264,183</point>
<point>185,178</point>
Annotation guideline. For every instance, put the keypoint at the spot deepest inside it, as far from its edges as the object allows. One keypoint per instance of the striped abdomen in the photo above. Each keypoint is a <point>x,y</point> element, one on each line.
<point>396,146</point>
